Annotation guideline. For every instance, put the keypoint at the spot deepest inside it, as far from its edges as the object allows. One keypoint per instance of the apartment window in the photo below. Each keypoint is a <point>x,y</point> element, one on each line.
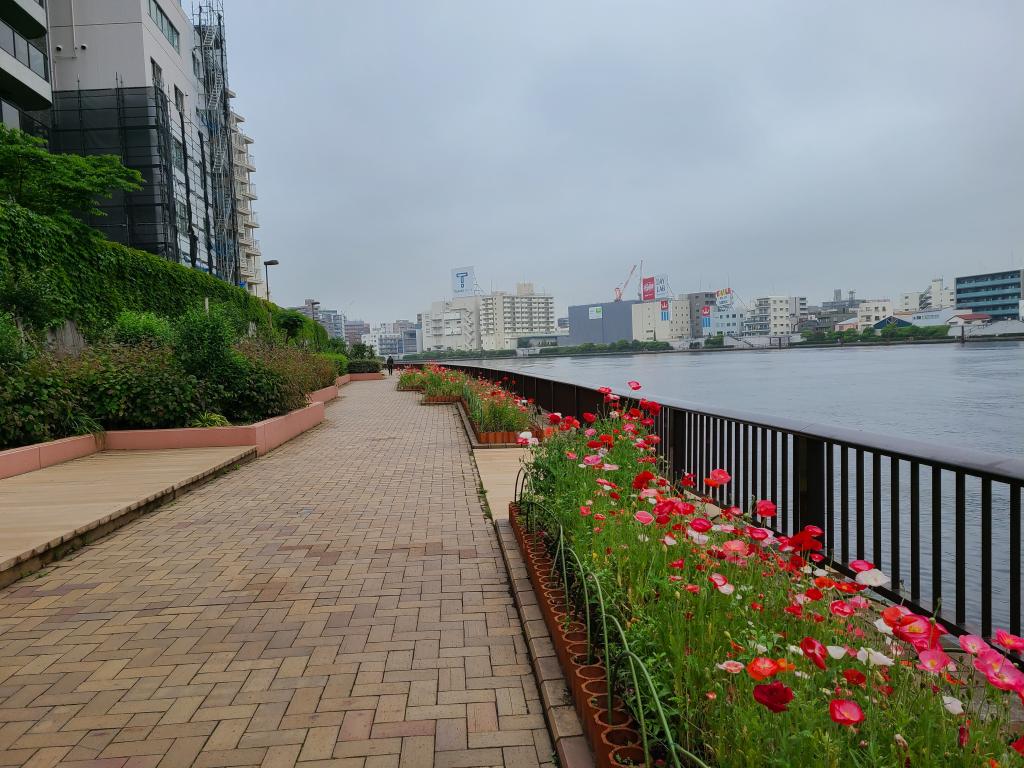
<point>178,155</point>
<point>156,13</point>
<point>179,99</point>
<point>158,74</point>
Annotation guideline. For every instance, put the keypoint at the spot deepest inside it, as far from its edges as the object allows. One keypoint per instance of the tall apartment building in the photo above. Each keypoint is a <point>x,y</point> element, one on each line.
<point>249,255</point>
<point>935,296</point>
<point>774,315</point>
<point>144,80</point>
<point>333,322</point>
<point>507,317</point>
<point>354,330</point>
<point>453,324</point>
<point>662,320</point>
<point>998,294</point>
<point>25,89</point>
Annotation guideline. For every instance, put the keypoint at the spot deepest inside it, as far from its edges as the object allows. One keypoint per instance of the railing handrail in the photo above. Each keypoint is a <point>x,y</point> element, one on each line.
<point>995,466</point>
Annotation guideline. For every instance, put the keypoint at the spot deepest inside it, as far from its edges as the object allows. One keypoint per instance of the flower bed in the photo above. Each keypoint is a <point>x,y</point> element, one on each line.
<point>410,380</point>
<point>731,645</point>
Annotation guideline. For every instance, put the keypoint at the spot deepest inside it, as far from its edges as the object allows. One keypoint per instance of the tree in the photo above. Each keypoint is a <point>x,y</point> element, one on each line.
<point>58,185</point>
<point>291,323</point>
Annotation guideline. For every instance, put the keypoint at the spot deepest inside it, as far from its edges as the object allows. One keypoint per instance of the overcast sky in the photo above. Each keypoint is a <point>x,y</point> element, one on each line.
<point>778,147</point>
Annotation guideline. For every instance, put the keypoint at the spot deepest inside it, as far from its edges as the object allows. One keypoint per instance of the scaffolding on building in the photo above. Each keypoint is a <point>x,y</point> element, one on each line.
<point>215,113</point>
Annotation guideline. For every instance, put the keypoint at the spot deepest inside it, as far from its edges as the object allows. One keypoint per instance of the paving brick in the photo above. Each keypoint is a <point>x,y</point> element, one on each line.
<point>289,612</point>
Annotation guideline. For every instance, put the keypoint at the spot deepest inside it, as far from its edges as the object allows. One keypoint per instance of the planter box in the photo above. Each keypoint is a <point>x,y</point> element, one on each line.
<point>440,399</point>
<point>18,461</point>
<point>324,395</point>
<point>365,376</point>
<point>343,380</point>
<point>409,389</point>
<point>265,435</point>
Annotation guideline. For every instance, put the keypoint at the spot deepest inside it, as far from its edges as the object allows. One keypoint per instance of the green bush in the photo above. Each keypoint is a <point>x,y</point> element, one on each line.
<point>202,343</point>
<point>52,270</point>
<point>364,366</point>
<point>255,392</point>
<point>141,328</point>
<point>207,419</point>
<point>291,371</point>
<point>13,350</point>
<point>36,404</point>
<point>340,361</point>
<point>133,387</point>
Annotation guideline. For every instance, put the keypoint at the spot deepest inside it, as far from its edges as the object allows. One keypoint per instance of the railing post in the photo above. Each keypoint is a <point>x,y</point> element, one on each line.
<point>809,482</point>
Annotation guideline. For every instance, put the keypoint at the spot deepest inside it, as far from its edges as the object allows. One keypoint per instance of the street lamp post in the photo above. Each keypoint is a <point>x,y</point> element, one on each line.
<point>266,267</point>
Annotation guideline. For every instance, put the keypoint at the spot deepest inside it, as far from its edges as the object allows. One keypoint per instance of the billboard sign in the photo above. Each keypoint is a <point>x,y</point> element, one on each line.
<point>723,298</point>
<point>661,287</point>
<point>647,288</point>
<point>664,304</point>
<point>595,313</point>
<point>705,311</point>
<point>463,281</point>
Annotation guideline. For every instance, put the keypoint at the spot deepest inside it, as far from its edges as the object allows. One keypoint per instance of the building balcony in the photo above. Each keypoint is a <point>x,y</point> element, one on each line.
<point>24,70</point>
<point>27,17</point>
<point>254,220</point>
<point>248,162</point>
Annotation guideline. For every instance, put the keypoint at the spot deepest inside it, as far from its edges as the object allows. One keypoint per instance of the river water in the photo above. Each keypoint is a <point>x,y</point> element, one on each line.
<point>969,395</point>
<point>960,395</point>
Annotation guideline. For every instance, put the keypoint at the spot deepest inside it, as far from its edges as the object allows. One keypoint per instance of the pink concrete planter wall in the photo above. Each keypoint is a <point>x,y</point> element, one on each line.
<point>324,395</point>
<point>365,376</point>
<point>265,435</point>
<point>18,461</point>
<point>343,380</point>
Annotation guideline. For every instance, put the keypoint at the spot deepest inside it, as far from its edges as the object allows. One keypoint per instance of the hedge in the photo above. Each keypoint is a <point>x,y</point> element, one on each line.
<point>52,271</point>
<point>364,366</point>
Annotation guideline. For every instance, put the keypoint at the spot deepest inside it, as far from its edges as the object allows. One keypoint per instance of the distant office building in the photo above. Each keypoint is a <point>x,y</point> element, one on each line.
<point>562,323</point>
<point>333,322</point>
<point>839,305</point>
<point>412,341</point>
<point>935,296</point>
<point>354,330</point>
<point>872,311</point>
<point>25,91</point>
<point>697,302</point>
<point>453,324</point>
<point>725,321</point>
<point>601,323</point>
<point>998,294</point>
<point>310,308</point>
<point>662,320</point>
<point>774,315</point>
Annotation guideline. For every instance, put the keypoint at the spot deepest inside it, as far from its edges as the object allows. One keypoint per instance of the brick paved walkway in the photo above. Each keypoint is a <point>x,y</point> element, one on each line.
<point>340,602</point>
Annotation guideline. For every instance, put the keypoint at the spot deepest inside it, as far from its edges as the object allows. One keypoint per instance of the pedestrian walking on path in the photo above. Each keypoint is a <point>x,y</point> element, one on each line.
<point>391,365</point>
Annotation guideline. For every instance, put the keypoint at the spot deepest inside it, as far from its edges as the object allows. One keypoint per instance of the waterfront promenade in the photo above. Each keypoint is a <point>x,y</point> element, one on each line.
<point>339,602</point>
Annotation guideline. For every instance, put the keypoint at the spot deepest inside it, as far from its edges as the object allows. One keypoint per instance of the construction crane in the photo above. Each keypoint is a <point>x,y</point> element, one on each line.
<point>622,288</point>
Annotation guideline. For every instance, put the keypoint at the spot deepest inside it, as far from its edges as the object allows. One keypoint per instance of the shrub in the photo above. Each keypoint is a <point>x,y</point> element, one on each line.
<point>134,387</point>
<point>363,366</point>
<point>13,349</point>
<point>207,419</point>
<point>36,404</point>
<point>293,371</point>
<point>202,343</point>
<point>340,361</point>
<point>255,392</point>
<point>141,327</point>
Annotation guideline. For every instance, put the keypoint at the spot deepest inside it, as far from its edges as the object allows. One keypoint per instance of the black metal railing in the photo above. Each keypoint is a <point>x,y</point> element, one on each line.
<point>944,523</point>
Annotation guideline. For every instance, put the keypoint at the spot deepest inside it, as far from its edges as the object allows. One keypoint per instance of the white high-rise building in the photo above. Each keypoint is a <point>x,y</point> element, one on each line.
<point>935,296</point>
<point>490,321</point>
<point>249,256</point>
<point>661,320</point>
<point>774,315</point>
<point>24,71</point>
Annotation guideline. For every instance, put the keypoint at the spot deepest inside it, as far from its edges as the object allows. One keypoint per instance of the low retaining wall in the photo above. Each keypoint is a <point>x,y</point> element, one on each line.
<point>365,376</point>
<point>18,461</point>
<point>324,395</point>
<point>265,435</point>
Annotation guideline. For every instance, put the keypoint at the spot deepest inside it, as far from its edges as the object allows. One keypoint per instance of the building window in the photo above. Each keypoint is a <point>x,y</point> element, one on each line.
<point>158,74</point>
<point>179,99</point>
<point>156,13</point>
<point>178,155</point>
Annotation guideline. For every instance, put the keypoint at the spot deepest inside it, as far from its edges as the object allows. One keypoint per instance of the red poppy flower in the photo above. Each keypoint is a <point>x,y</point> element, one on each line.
<point>845,712</point>
<point>774,695</point>
<point>765,508</point>
<point>813,593</point>
<point>1008,641</point>
<point>762,668</point>
<point>604,390</point>
<point>554,418</point>
<point>1018,745</point>
<point>858,566</point>
<point>589,418</point>
<point>701,525</point>
<point>840,608</point>
<point>642,480</point>
<point>854,676</point>
<point>634,385</point>
<point>814,651</point>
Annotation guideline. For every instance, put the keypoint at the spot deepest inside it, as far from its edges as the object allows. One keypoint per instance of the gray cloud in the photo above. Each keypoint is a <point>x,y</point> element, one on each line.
<point>787,146</point>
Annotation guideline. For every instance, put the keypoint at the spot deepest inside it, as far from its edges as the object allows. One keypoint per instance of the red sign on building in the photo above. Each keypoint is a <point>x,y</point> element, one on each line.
<point>664,303</point>
<point>705,311</point>
<point>647,288</point>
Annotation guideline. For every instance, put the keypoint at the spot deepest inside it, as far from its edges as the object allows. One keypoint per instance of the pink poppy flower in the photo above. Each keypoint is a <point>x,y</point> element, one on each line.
<point>732,667</point>
<point>845,712</point>
<point>933,660</point>
<point>765,508</point>
<point>814,651</point>
<point>593,460</point>
<point>1008,641</point>
<point>634,385</point>
<point>973,644</point>
<point>861,565</point>
<point>644,517</point>
<point>700,525</point>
